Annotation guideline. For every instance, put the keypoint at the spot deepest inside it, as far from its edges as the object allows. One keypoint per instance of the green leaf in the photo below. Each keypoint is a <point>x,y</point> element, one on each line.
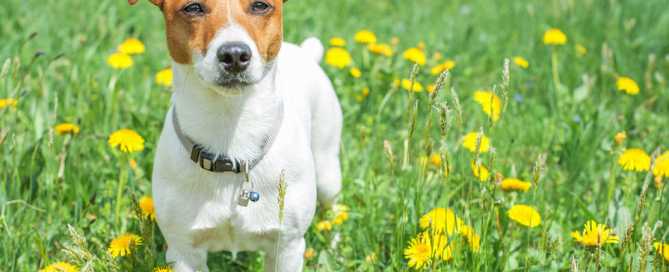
<point>585,210</point>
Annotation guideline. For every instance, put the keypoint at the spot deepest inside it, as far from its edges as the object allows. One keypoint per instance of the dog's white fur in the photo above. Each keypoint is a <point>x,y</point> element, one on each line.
<point>197,210</point>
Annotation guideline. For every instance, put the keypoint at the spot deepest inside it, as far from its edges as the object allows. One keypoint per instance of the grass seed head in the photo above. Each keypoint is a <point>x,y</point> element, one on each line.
<point>458,109</point>
<point>506,78</point>
<point>445,118</point>
<point>281,186</point>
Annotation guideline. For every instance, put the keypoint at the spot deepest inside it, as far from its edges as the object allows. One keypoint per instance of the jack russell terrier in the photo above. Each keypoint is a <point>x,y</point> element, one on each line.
<point>246,106</point>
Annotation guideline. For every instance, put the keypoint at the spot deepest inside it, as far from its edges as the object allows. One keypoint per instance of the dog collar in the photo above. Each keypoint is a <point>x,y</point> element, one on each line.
<point>221,163</point>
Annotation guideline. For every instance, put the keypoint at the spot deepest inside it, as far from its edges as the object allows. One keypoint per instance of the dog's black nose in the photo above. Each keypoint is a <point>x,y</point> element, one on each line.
<point>235,57</point>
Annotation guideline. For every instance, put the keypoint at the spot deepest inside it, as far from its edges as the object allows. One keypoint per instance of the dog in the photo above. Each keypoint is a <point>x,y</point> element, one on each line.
<point>245,107</point>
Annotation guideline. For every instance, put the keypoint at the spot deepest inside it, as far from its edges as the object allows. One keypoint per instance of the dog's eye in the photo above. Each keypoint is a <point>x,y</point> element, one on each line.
<point>260,7</point>
<point>194,9</point>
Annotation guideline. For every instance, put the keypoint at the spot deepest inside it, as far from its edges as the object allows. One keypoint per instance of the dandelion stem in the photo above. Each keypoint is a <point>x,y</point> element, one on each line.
<point>612,179</point>
<point>119,192</point>
<point>556,75</point>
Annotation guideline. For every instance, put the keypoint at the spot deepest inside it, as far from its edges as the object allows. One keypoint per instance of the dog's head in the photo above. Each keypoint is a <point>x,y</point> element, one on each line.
<point>229,43</point>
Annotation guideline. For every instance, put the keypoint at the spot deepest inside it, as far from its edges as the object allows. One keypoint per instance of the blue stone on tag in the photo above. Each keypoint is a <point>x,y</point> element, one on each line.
<point>253,196</point>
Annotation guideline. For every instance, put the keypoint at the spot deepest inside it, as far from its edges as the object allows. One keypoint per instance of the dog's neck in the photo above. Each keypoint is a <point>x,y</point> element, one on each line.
<point>232,125</point>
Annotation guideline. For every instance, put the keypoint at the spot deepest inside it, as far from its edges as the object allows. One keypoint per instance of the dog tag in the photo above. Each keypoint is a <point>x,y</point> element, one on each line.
<point>243,198</point>
<point>253,196</point>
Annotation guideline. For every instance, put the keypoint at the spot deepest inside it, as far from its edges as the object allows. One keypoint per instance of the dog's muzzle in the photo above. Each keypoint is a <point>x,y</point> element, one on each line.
<point>234,57</point>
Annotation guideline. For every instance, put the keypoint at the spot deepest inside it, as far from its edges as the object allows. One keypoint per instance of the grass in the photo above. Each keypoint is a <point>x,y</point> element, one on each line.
<point>51,181</point>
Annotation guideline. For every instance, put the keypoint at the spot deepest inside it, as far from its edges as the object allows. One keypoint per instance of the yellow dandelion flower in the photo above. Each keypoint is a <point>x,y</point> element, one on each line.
<point>473,239</point>
<point>166,268</point>
<point>449,64</point>
<point>430,88</point>
<point>341,208</point>
<point>515,184</point>
<point>554,36</point>
<point>365,36</point>
<point>60,266</point>
<point>520,61</point>
<point>128,140</point>
<point>120,246</point>
<point>417,87</point>
<point>443,221</point>
<point>7,102</point>
<point>119,60</point>
<point>663,249</point>
<point>164,77</point>
<point>359,98</point>
<point>485,99</point>
<point>309,253</point>
<point>415,55</point>
<point>131,46</point>
<point>595,234</point>
<point>396,81</point>
<point>580,49</point>
<point>338,57</point>
<point>635,159</point>
<point>365,91</point>
<point>661,167</point>
<point>620,137</point>
<point>436,56</point>
<point>419,252</point>
<point>147,208</point>
<point>525,215</point>
<point>442,249</point>
<point>341,214</point>
<point>628,85</point>
<point>65,128</point>
<point>481,174</point>
<point>340,218</point>
<point>469,141</point>
<point>324,225</point>
<point>380,49</point>
<point>435,159</point>
<point>337,41</point>
<point>355,72</point>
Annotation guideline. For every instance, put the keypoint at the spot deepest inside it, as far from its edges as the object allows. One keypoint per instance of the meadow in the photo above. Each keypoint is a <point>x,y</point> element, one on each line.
<point>478,135</point>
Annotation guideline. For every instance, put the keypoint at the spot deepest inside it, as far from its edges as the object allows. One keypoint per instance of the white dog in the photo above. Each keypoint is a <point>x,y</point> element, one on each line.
<point>244,103</point>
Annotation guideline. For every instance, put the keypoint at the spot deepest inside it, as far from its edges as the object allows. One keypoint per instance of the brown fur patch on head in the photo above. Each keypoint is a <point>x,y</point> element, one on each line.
<point>187,34</point>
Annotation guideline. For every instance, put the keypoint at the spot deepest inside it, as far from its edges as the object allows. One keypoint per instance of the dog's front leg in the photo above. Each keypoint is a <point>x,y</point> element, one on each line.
<point>291,256</point>
<point>184,259</point>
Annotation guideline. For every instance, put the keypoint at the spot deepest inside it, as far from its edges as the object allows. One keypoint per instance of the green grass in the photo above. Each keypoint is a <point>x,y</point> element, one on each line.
<point>58,175</point>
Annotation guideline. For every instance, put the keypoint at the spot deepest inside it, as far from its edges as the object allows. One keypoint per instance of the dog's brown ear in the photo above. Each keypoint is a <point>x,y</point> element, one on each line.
<point>155,2</point>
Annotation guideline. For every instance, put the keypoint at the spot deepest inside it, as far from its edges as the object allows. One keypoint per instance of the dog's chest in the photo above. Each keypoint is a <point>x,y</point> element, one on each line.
<point>203,206</point>
<point>232,228</point>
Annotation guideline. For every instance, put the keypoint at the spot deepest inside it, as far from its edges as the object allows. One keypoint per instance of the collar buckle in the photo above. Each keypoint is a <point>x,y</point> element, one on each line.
<point>213,163</point>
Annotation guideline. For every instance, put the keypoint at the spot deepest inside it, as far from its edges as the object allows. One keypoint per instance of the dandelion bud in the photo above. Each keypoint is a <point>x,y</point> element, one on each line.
<point>498,179</point>
<point>92,199</point>
<point>39,53</point>
<point>658,181</point>
<point>362,135</point>
<point>620,137</point>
